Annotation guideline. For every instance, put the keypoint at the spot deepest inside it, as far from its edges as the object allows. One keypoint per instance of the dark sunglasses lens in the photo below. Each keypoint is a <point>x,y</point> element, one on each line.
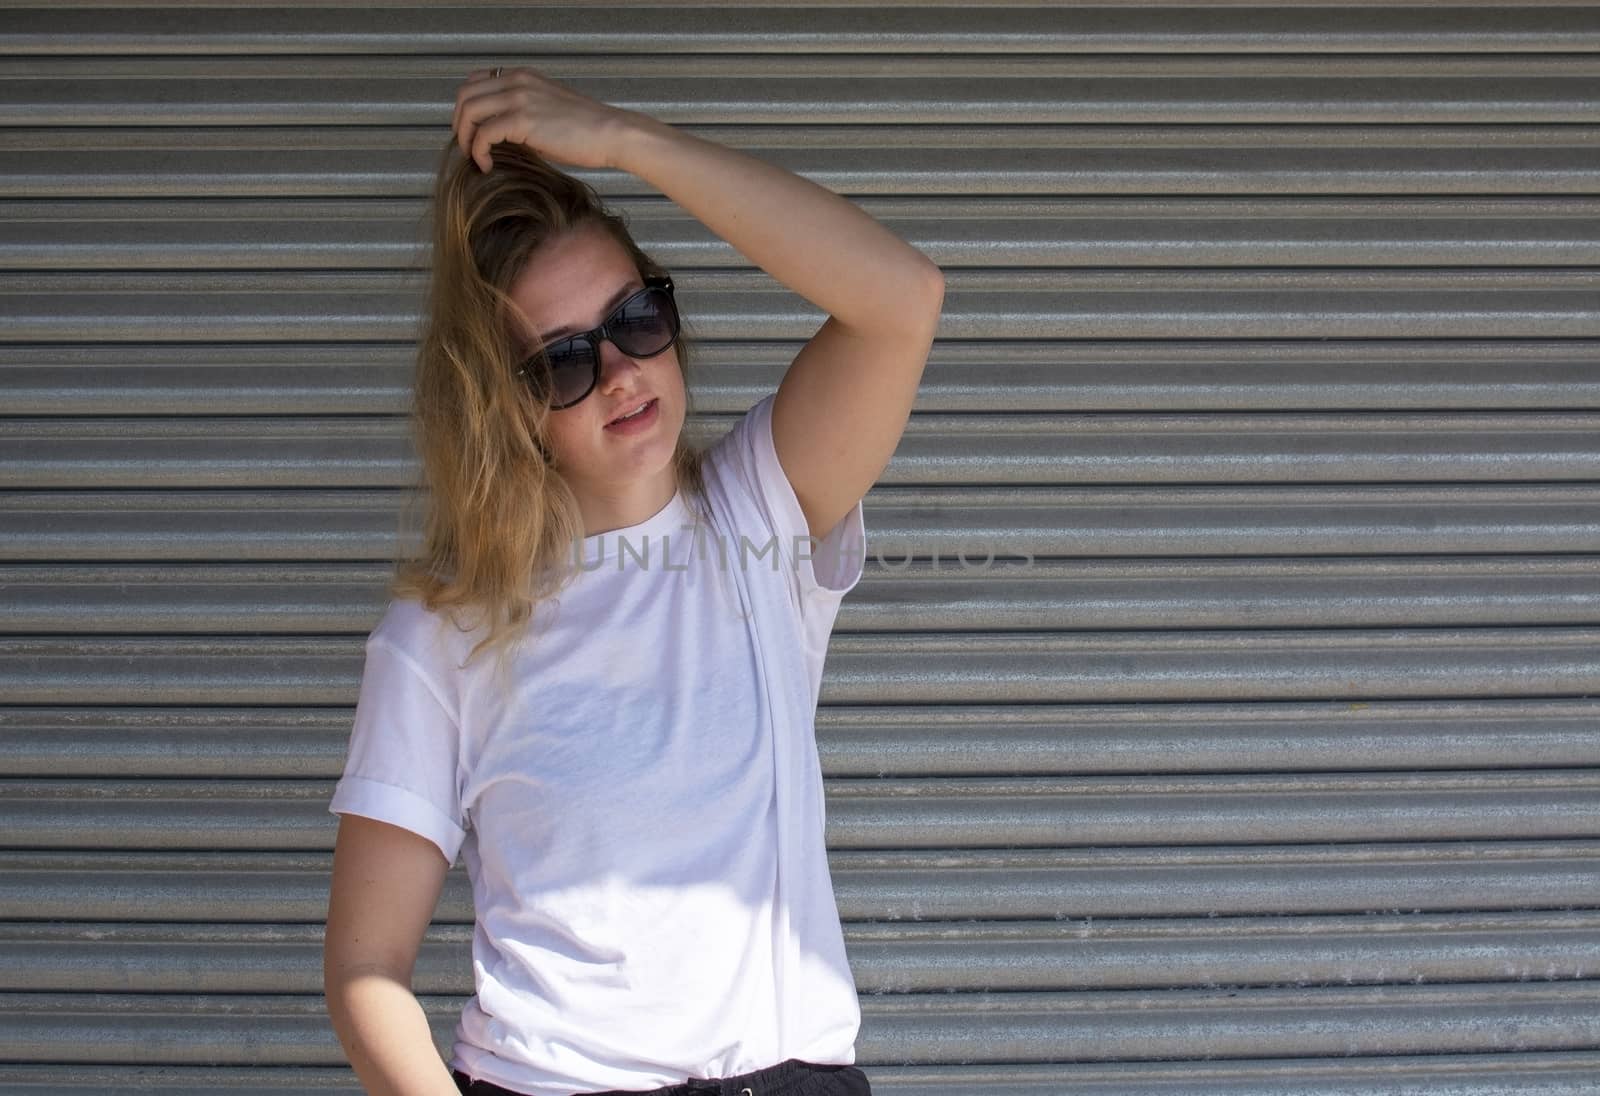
<point>572,367</point>
<point>568,376</point>
<point>646,324</point>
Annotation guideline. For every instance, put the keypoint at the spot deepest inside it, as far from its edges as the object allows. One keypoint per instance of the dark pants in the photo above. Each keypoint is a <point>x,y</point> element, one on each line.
<point>789,1078</point>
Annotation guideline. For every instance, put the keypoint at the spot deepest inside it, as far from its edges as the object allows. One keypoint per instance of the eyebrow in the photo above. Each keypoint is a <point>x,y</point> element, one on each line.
<point>616,298</point>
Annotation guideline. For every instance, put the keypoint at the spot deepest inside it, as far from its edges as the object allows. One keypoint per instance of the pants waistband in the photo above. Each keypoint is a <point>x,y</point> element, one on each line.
<point>780,1080</point>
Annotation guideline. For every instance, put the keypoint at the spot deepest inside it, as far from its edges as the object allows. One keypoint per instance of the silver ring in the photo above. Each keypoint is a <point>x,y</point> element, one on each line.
<point>496,72</point>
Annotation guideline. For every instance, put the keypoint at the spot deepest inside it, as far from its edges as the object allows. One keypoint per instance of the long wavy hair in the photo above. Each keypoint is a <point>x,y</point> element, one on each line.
<point>501,521</point>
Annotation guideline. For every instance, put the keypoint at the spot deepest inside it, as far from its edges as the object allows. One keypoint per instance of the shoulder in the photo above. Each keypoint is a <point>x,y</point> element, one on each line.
<point>406,624</point>
<point>426,639</point>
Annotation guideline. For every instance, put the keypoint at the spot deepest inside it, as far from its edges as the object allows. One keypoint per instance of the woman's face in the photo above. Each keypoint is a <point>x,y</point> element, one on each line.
<point>569,285</point>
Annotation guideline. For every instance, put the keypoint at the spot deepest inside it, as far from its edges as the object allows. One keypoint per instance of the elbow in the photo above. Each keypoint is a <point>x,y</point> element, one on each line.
<point>935,294</point>
<point>922,296</point>
<point>920,275</point>
<point>934,297</point>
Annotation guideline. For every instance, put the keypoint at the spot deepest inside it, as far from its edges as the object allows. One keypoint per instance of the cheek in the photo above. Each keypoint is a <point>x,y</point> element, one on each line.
<point>672,381</point>
<point>566,439</point>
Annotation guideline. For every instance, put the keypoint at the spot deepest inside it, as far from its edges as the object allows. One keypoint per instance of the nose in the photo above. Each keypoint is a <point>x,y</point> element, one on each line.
<point>615,366</point>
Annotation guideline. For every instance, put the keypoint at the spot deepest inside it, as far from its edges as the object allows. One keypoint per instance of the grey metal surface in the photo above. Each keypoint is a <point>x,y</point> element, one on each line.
<point>1271,341</point>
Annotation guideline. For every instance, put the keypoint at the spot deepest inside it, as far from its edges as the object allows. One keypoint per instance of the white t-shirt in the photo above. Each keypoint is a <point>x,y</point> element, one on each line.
<point>642,815</point>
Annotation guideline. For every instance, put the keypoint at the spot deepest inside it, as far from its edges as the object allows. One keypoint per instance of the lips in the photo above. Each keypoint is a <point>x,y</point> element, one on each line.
<point>630,409</point>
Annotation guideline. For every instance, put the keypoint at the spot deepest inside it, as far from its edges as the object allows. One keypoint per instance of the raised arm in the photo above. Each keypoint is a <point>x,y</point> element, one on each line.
<point>844,402</point>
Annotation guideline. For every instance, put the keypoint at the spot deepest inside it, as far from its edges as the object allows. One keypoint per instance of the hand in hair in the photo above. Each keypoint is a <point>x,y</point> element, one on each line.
<point>524,107</point>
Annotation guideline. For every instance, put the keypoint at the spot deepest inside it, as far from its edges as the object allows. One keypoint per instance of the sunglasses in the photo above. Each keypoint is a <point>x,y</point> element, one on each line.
<point>642,326</point>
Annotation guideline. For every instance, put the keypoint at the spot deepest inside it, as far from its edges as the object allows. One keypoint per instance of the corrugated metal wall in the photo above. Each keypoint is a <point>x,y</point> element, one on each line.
<point>1271,333</point>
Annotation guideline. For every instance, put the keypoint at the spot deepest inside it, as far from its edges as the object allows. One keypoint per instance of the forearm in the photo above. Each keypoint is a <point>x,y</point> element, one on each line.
<point>386,1037</point>
<point>818,244</point>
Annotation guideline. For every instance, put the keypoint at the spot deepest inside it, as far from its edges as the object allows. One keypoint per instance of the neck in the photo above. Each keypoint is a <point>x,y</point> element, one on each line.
<point>622,506</point>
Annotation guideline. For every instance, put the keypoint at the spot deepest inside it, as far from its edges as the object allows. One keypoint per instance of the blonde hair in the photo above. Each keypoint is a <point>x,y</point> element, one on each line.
<point>500,521</point>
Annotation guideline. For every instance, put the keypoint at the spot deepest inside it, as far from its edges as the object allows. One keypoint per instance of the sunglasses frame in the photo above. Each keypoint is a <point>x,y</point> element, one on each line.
<point>593,337</point>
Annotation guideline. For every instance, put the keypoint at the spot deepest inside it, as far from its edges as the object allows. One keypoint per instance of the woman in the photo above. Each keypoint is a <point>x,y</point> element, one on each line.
<point>635,787</point>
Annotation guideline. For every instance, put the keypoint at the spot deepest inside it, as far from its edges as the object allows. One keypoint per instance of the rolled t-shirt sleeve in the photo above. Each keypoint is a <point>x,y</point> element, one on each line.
<point>402,762</point>
<point>838,559</point>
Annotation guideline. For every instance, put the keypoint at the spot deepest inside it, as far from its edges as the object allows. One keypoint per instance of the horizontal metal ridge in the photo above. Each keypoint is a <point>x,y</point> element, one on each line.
<point>657,221</point>
<point>1548,791</point>
<point>719,293</point>
<point>1016,812</point>
<point>879,740</point>
<point>878,813</point>
<point>1012,812</point>
<point>909,668</point>
<point>850,69</point>
<point>1488,1073</point>
<point>971,739</point>
<point>897,885</point>
<point>1022,1026</point>
<point>1217,665</point>
<point>378,161</point>
<point>715,296</point>
<point>1023,447</point>
<point>1325,856</point>
<point>844,143</point>
<point>936,1028</point>
<point>953,592</point>
<point>1550,1073</point>
<point>871,90</point>
<point>906,1012</point>
<point>1104,32</point>
<point>729,376</point>
<point>982,231</point>
<point>1420,303</point>
<point>1013,522</point>
<point>885,957</point>
<point>1088,954</point>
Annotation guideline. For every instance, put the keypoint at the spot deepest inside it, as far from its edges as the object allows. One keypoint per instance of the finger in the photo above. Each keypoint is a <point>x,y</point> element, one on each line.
<point>455,114</point>
<point>472,112</point>
<point>462,96</point>
<point>486,139</point>
<point>491,133</point>
<point>482,140</point>
<point>460,124</point>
